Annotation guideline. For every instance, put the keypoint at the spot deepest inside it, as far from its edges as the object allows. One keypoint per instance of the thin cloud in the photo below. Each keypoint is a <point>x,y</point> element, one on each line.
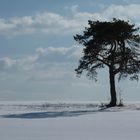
<point>50,65</point>
<point>42,60</point>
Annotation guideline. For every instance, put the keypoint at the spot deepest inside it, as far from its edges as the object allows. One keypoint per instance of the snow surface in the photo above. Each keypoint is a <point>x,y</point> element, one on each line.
<point>68,121</point>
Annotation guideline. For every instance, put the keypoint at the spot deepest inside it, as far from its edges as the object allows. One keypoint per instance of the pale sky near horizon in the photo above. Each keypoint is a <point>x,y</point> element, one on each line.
<point>38,54</point>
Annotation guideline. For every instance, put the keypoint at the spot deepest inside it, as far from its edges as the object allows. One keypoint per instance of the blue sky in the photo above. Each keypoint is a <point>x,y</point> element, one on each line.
<point>38,54</point>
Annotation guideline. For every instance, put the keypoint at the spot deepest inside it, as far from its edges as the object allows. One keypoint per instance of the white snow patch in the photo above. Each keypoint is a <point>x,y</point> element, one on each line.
<point>68,121</point>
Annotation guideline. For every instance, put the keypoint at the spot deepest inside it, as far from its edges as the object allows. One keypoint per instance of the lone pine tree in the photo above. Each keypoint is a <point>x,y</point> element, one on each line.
<point>113,44</point>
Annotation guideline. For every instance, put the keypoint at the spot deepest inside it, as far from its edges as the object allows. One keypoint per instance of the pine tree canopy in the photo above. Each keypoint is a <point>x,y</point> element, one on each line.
<point>114,44</point>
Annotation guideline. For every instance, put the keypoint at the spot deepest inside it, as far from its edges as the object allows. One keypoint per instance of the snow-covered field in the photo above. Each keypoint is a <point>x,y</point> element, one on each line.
<point>68,121</point>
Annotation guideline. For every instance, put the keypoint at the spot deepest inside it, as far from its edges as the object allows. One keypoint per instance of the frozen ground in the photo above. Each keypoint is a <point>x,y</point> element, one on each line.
<point>68,121</point>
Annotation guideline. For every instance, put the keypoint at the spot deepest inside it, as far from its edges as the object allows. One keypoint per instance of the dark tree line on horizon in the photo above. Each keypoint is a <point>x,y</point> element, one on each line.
<point>112,44</point>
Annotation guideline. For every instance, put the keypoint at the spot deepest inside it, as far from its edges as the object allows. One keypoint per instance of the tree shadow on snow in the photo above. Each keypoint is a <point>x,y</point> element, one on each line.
<point>37,115</point>
<point>54,114</point>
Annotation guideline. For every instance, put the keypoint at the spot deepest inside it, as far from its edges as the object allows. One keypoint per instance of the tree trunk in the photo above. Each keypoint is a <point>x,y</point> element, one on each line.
<point>112,89</point>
